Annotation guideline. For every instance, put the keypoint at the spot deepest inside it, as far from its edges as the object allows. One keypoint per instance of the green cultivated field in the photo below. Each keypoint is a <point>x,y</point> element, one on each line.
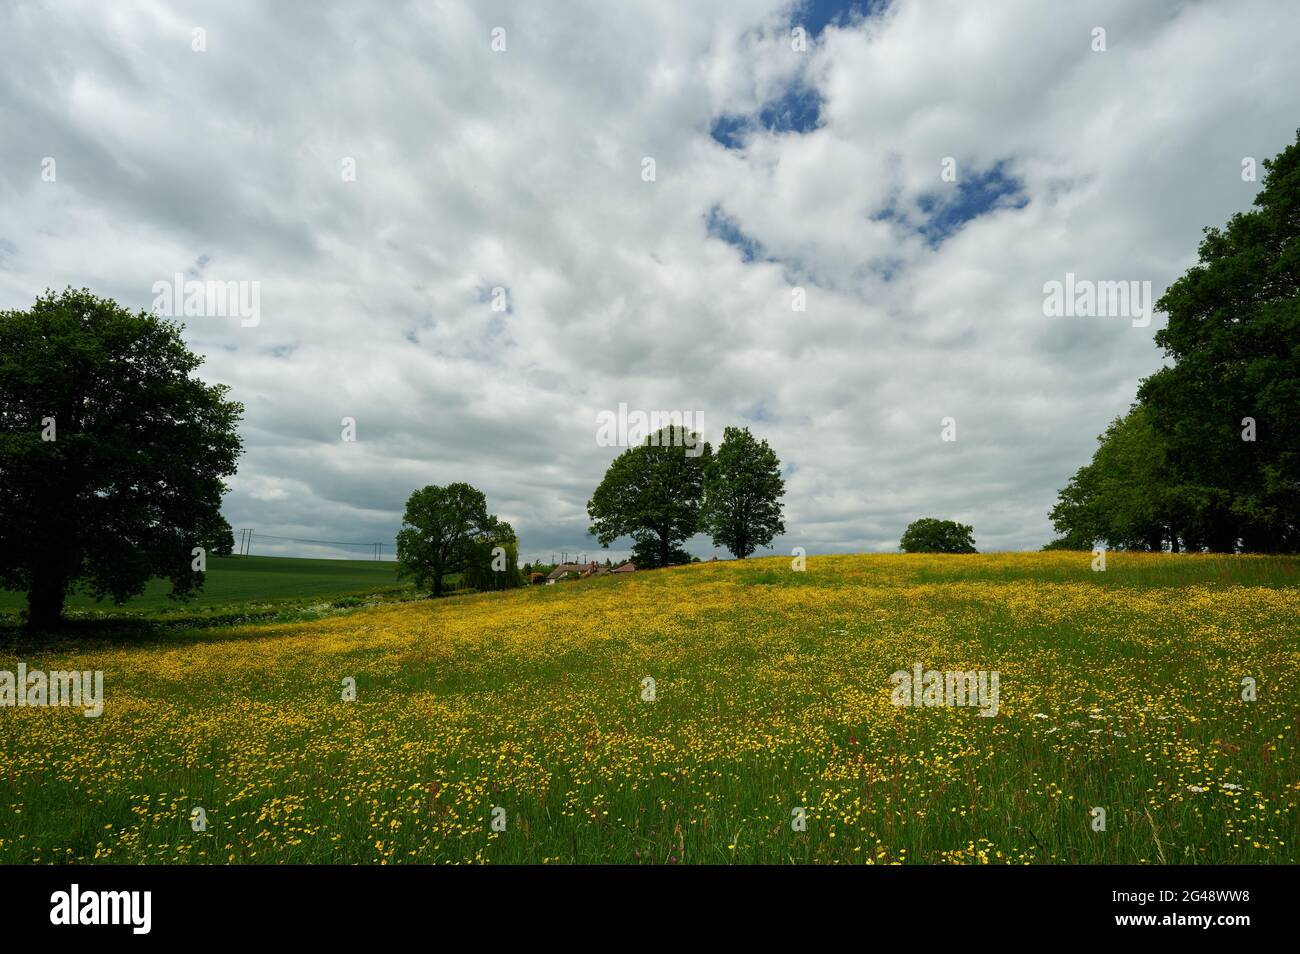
<point>237,583</point>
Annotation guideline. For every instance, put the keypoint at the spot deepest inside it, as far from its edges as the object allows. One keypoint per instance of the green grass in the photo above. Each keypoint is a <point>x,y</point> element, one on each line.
<point>1120,690</point>
<point>1151,570</point>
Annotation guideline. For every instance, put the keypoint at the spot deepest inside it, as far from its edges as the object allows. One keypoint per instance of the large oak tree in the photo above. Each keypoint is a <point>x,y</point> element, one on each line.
<point>1234,339</point>
<point>1207,459</point>
<point>654,494</point>
<point>444,530</point>
<point>112,454</point>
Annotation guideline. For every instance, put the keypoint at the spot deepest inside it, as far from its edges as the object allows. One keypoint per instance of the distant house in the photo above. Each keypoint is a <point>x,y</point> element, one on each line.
<point>627,567</point>
<point>562,571</point>
<point>574,570</point>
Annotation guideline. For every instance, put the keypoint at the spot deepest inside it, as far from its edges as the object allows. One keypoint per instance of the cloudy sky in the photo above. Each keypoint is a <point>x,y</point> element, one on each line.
<point>646,185</point>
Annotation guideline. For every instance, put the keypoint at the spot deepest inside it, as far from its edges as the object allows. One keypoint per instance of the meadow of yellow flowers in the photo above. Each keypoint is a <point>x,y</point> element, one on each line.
<point>719,712</point>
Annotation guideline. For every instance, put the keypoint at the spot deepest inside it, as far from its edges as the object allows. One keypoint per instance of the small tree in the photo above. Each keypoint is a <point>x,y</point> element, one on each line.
<point>441,529</point>
<point>493,562</point>
<point>929,535</point>
<point>653,493</point>
<point>742,494</point>
<point>112,454</point>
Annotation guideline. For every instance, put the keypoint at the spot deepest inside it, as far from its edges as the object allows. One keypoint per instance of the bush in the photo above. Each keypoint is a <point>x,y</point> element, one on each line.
<point>929,535</point>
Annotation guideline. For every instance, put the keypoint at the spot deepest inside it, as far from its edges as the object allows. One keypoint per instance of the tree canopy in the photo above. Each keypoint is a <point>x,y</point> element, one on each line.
<point>930,535</point>
<point>654,493</point>
<point>446,530</point>
<point>1124,497</point>
<point>493,559</point>
<point>1207,459</point>
<point>112,454</point>
<point>742,494</point>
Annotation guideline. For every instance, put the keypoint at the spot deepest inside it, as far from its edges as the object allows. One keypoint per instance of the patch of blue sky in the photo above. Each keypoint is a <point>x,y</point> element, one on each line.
<point>722,226</point>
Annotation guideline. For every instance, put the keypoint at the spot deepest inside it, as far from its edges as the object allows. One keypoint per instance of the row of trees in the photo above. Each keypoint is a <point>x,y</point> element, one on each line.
<point>664,491</point>
<point>659,493</point>
<point>1208,458</point>
<point>113,453</point>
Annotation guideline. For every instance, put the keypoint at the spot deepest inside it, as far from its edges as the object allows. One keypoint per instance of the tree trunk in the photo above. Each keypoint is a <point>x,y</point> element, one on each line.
<point>437,585</point>
<point>45,600</point>
<point>663,549</point>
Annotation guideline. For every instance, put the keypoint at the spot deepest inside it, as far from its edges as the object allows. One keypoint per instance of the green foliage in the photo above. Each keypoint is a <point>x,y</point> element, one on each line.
<point>653,493</point>
<point>490,568</point>
<point>132,480</point>
<point>929,535</point>
<point>1065,543</point>
<point>1178,469</point>
<point>448,530</point>
<point>1234,337</point>
<point>1126,496</point>
<point>742,494</point>
<point>648,555</point>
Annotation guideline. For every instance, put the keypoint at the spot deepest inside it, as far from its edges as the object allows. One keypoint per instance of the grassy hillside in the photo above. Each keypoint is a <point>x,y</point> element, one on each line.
<point>240,581</point>
<point>1119,690</point>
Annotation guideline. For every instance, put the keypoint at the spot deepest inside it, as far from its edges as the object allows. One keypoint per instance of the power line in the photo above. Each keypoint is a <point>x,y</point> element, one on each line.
<point>246,535</point>
<point>331,543</point>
